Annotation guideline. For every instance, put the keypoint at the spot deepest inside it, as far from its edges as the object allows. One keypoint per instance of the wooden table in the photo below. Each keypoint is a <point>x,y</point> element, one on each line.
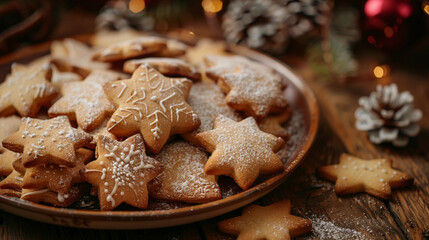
<point>360,216</point>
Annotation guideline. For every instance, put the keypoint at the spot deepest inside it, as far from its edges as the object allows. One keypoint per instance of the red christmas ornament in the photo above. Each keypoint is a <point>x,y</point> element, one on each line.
<point>384,22</point>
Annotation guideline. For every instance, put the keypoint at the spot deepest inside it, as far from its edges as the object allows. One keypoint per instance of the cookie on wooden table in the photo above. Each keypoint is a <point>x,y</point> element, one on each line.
<point>151,104</point>
<point>183,178</point>
<point>168,66</point>
<point>271,222</point>
<point>135,47</point>
<point>240,150</point>
<point>26,90</point>
<point>375,177</point>
<point>122,172</point>
<point>47,141</point>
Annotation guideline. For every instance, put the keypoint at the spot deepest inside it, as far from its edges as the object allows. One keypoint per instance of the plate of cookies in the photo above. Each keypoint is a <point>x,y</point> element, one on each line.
<point>117,131</point>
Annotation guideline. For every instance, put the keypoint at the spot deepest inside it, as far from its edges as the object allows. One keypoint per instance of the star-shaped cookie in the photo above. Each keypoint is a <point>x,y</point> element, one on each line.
<point>375,177</point>
<point>151,104</point>
<point>273,124</point>
<point>47,141</point>
<point>71,55</point>
<point>12,184</point>
<point>85,101</point>
<point>6,160</point>
<point>54,177</point>
<point>240,150</point>
<point>272,222</point>
<point>25,90</point>
<point>183,178</point>
<point>8,125</point>
<point>250,87</point>
<point>121,172</point>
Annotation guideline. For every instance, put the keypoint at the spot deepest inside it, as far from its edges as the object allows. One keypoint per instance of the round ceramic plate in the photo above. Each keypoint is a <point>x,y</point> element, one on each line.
<point>302,128</point>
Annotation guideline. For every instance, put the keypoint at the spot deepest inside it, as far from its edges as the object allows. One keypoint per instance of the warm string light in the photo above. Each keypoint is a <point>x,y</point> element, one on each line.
<point>212,6</point>
<point>381,71</point>
<point>136,5</point>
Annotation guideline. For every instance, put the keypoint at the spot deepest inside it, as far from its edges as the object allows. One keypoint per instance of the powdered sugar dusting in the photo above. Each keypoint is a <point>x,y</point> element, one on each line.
<point>183,177</point>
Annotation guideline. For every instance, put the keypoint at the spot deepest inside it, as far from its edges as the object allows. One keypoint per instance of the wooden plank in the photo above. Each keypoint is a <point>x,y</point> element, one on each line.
<point>409,207</point>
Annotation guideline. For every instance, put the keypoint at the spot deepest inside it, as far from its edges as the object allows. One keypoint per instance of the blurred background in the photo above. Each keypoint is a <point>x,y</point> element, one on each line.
<point>330,35</point>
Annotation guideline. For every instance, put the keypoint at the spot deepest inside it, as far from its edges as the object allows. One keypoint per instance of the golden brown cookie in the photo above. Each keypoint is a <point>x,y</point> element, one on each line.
<point>172,67</point>
<point>174,48</point>
<point>273,124</point>
<point>151,104</point>
<point>99,131</point>
<point>71,55</point>
<point>240,150</point>
<point>104,38</point>
<point>85,101</point>
<point>57,178</point>
<point>204,47</point>
<point>6,160</point>
<point>122,172</point>
<point>131,48</point>
<point>207,101</point>
<point>11,185</point>
<point>47,141</point>
<point>60,78</point>
<point>8,125</point>
<point>375,177</point>
<point>183,178</point>
<point>25,90</point>
<point>271,222</point>
<point>57,199</point>
<point>250,86</point>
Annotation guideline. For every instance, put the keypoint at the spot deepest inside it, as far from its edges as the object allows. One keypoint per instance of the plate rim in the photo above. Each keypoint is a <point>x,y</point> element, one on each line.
<point>263,188</point>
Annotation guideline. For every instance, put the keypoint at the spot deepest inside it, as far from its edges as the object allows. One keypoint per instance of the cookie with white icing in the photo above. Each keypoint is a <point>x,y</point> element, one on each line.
<point>151,104</point>
<point>207,101</point>
<point>183,178</point>
<point>47,141</point>
<point>55,177</point>
<point>26,90</point>
<point>57,199</point>
<point>131,48</point>
<point>122,172</point>
<point>172,67</point>
<point>240,150</point>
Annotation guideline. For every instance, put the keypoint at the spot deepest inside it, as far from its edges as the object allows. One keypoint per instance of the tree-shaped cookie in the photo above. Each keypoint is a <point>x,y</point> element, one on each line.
<point>375,177</point>
<point>121,172</point>
<point>25,90</point>
<point>272,222</point>
<point>240,150</point>
<point>85,101</point>
<point>47,141</point>
<point>151,104</point>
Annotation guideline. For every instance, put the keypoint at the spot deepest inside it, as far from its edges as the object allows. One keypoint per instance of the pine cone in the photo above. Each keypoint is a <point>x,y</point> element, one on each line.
<point>116,16</point>
<point>388,116</point>
<point>305,15</point>
<point>259,24</point>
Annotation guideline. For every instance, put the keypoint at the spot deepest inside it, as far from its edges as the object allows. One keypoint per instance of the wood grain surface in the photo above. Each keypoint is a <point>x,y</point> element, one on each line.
<point>359,216</point>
